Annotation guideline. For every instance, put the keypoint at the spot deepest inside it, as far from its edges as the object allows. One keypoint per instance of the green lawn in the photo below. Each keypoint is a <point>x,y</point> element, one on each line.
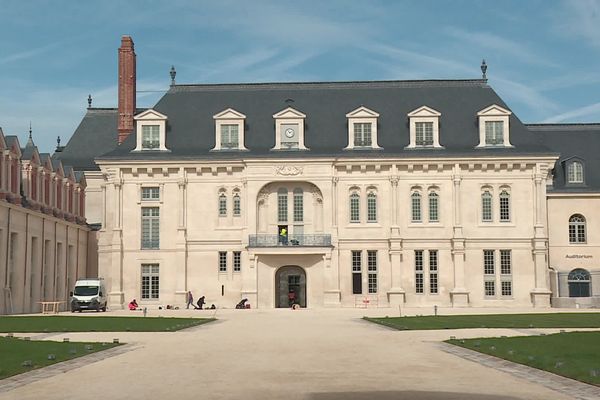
<point>61,323</point>
<point>20,356</point>
<point>574,355</point>
<point>554,320</point>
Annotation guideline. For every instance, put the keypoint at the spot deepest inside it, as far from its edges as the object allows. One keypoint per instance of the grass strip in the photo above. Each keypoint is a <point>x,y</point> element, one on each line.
<point>59,323</point>
<point>551,320</point>
<point>19,355</point>
<point>574,355</point>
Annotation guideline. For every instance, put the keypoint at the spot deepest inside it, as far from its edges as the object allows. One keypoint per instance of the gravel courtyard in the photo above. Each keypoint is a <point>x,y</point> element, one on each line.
<point>268,354</point>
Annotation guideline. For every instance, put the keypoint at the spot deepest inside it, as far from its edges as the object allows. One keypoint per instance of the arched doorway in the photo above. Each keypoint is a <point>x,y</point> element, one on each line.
<point>579,283</point>
<point>290,287</point>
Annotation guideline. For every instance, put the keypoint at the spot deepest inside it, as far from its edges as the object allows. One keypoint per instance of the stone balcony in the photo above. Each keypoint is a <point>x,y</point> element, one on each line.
<point>289,241</point>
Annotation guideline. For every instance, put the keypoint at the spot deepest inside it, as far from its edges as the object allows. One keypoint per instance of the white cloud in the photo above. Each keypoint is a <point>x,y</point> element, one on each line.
<point>588,113</point>
<point>500,46</point>
<point>580,18</point>
<point>32,53</point>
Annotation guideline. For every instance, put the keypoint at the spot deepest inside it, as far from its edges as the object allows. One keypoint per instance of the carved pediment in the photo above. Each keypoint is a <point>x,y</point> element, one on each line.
<point>287,170</point>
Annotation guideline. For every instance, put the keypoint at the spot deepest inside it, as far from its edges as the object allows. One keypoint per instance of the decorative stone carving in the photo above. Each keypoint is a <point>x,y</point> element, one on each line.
<point>287,170</point>
<point>263,195</point>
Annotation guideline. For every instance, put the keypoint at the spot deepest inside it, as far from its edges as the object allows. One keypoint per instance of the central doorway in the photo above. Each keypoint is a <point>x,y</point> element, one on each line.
<point>290,287</point>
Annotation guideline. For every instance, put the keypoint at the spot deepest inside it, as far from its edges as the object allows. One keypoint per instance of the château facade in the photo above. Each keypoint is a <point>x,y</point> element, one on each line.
<point>414,193</point>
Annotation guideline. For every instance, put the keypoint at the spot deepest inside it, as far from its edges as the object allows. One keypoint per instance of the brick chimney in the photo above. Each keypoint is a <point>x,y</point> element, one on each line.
<point>126,87</point>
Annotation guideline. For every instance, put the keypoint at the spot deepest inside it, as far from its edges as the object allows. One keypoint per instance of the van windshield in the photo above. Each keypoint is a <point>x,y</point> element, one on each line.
<point>86,290</point>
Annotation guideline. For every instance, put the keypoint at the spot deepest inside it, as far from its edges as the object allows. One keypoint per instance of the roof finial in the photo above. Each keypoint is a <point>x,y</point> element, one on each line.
<point>172,73</point>
<point>89,101</point>
<point>29,129</point>
<point>483,69</point>
<point>57,142</point>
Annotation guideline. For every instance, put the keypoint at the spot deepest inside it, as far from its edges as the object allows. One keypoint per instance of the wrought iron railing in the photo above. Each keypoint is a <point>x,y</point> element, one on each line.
<point>310,240</point>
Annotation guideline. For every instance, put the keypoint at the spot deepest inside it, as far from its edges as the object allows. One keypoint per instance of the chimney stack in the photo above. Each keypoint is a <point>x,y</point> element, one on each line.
<point>126,87</point>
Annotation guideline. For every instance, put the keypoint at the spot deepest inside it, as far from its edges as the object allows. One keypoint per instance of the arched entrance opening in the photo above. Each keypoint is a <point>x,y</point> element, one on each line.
<point>579,283</point>
<point>290,287</point>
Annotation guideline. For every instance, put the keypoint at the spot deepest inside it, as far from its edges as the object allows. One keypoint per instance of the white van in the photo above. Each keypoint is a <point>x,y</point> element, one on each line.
<point>89,294</point>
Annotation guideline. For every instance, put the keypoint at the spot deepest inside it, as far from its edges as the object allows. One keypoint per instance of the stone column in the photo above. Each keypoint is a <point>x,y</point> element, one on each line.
<point>116,296</point>
<point>181,268</point>
<point>540,295</point>
<point>396,294</point>
<point>459,294</point>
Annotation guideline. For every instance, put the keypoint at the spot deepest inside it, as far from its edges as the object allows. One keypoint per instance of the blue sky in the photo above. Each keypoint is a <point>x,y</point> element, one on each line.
<point>543,56</point>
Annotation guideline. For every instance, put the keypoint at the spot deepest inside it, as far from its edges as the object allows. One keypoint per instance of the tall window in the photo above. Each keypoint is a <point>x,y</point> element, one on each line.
<point>506,272</point>
<point>356,272</point>
<point>577,229</point>
<point>298,205</point>
<point>237,261</point>
<point>494,132</point>
<point>416,207</point>
<point>434,206</point>
<point>150,282</point>
<point>282,205</point>
<point>433,271</point>
<point>575,172</point>
<point>229,136</point>
<point>150,137</point>
<point>371,207</point>
<point>362,134</point>
<point>354,207</point>
<point>237,205</point>
<point>489,273</point>
<point>504,206</point>
<point>419,283</point>
<point>222,205</point>
<point>150,227</point>
<point>222,261</point>
<point>372,270</point>
<point>150,194</point>
<point>424,133</point>
<point>486,206</point>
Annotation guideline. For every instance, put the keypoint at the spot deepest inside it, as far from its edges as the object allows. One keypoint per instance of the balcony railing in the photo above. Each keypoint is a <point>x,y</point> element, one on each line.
<point>312,240</point>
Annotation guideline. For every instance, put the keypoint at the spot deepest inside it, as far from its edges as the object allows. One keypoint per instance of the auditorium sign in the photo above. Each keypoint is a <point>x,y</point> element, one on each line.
<point>579,256</point>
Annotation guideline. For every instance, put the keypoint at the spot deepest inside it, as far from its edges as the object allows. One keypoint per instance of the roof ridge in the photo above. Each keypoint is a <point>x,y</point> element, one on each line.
<point>563,126</point>
<point>330,84</point>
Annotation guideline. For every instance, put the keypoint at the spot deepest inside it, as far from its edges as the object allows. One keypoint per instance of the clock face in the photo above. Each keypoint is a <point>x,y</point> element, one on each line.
<point>289,132</point>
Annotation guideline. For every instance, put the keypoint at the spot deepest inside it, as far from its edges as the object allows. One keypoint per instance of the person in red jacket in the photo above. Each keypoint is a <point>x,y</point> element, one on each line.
<point>133,305</point>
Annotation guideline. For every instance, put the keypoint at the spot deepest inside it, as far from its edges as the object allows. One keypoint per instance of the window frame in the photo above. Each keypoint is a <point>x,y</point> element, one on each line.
<point>419,271</point>
<point>237,203</point>
<point>151,189</point>
<point>424,114</point>
<point>570,170</point>
<point>237,261</point>
<point>372,271</point>
<point>504,205</point>
<point>487,196</point>
<point>354,206</point>
<point>153,294</point>
<point>577,229</point>
<point>222,262</point>
<point>433,195</point>
<point>434,268</point>
<point>362,115</point>
<point>494,113</point>
<point>372,209</point>
<point>222,204</point>
<point>150,118</point>
<point>229,116</point>
<point>414,218</point>
<point>153,242</point>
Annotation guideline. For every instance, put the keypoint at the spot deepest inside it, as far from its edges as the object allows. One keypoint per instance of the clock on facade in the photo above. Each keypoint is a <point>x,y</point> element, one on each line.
<point>289,132</point>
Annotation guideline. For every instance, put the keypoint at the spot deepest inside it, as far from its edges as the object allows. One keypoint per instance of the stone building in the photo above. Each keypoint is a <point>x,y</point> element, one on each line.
<point>416,193</point>
<point>43,233</point>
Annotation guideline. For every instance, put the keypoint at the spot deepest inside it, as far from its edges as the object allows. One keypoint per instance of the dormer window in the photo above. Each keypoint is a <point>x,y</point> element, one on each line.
<point>362,129</point>
<point>229,130</point>
<point>494,127</point>
<point>289,130</point>
<point>151,128</point>
<point>424,128</point>
<point>575,172</point>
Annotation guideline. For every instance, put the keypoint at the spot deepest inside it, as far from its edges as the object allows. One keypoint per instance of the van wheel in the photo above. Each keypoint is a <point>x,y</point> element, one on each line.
<point>104,309</point>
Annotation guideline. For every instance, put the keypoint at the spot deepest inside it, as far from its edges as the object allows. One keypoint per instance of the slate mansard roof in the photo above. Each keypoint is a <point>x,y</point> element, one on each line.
<point>191,128</point>
<point>580,141</point>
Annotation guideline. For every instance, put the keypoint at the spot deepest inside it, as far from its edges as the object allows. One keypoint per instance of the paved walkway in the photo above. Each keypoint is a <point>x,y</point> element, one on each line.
<point>270,354</point>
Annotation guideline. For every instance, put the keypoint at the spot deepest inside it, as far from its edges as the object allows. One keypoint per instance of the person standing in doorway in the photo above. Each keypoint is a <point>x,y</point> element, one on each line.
<point>190,300</point>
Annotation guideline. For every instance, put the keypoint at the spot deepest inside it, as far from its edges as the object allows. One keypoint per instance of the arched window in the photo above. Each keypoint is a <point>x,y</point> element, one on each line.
<point>434,207</point>
<point>354,207</point>
<point>298,205</point>
<point>577,229</point>
<point>416,207</point>
<point>486,206</point>
<point>575,172</point>
<point>371,207</point>
<point>237,204</point>
<point>504,206</point>
<point>222,204</point>
<point>579,283</point>
<point>282,205</point>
